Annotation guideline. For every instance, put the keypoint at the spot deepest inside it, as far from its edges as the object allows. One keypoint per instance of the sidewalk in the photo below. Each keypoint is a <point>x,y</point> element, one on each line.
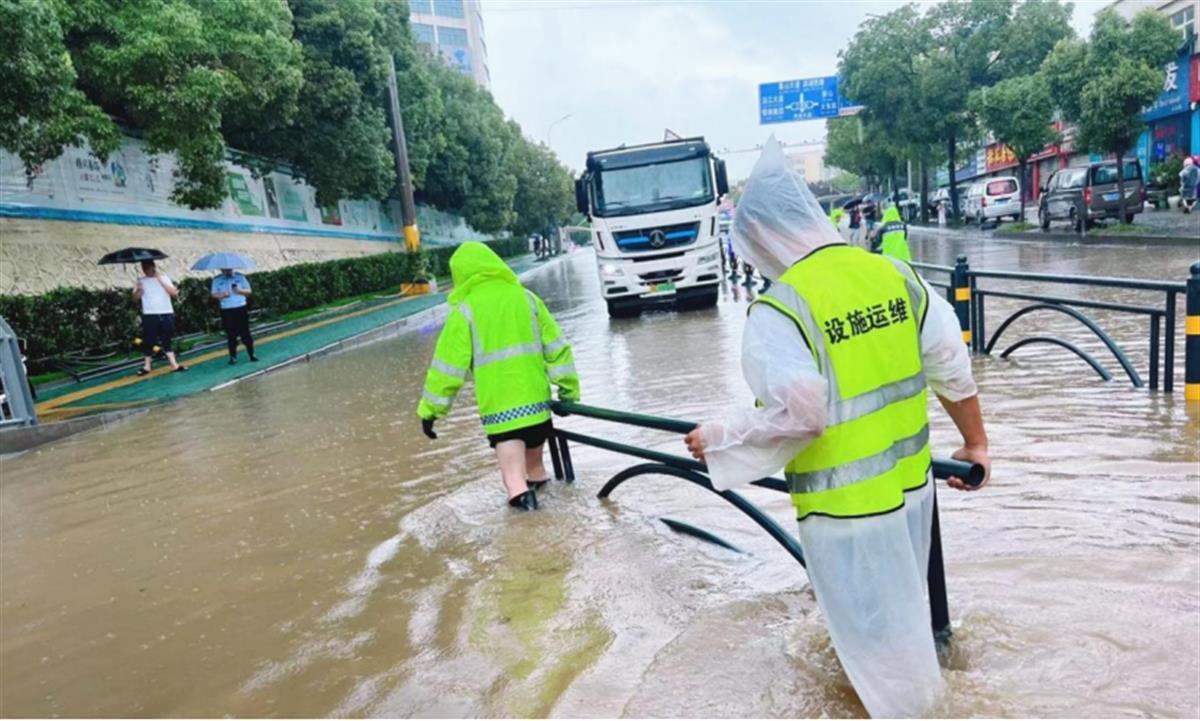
<point>274,350</point>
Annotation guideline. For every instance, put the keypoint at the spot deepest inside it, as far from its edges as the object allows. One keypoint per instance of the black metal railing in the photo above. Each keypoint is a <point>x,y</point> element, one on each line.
<point>695,472</point>
<point>969,301</point>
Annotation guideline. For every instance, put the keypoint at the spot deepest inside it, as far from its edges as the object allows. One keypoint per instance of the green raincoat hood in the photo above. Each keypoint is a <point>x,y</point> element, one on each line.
<point>473,264</point>
<point>891,215</point>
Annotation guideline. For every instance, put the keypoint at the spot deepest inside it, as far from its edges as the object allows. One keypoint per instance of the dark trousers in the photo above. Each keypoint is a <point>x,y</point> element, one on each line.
<point>237,324</point>
<point>157,329</point>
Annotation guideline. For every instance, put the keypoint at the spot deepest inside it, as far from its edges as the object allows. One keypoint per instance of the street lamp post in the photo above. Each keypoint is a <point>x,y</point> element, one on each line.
<point>551,128</point>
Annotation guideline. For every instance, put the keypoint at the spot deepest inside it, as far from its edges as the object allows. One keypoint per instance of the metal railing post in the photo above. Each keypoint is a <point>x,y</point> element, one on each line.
<point>1191,348</point>
<point>555,460</point>
<point>1169,361</point>
<point>962,296</point>
<point>1155,322</point>
<point>14,385</point>
<point>939,607</point>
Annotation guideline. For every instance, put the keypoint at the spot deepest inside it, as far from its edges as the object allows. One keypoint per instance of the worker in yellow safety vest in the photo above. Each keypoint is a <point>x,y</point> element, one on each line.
<point>839,354</point>
<point>891,236</point>
<point>503,335</point>
<point>836,217</point>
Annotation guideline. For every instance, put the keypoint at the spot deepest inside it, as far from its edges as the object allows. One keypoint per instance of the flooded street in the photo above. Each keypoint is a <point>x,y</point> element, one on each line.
<point>293,546</point>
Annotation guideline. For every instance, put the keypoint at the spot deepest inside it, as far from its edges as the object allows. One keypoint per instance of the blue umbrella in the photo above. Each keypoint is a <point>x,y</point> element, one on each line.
<point>221,261</point>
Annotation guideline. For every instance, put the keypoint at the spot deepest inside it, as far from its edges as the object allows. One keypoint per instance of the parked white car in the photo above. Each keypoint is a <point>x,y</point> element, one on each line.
<point>993,199</point>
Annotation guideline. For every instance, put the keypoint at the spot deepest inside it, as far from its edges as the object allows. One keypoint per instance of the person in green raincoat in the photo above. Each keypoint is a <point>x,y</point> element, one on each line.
<point>891,236</point>
<point>836,217</point>
<point>503,335</point>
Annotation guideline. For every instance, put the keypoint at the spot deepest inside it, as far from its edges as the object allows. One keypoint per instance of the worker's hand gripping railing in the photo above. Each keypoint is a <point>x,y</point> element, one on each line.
<point>695,472</point>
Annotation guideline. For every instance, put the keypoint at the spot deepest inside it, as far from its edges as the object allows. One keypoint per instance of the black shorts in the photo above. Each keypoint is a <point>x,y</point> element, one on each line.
<point>157,330</point>
<point>533,436</point>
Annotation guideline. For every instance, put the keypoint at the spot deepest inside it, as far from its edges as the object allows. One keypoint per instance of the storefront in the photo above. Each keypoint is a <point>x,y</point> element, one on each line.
<point>1171,118</point>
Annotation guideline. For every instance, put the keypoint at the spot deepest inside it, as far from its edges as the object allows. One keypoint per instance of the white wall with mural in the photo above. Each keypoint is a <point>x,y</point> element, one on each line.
<point>133,187</point>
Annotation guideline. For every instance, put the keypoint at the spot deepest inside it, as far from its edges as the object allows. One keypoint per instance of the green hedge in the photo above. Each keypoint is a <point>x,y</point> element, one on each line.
<point>80,319</point>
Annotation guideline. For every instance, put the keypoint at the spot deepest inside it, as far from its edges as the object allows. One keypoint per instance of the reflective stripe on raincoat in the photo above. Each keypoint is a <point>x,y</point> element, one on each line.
<point>503,335</point>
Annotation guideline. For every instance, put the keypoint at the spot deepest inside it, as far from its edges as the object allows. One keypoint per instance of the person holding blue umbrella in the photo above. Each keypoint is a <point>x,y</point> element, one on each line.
<point>231,289</point>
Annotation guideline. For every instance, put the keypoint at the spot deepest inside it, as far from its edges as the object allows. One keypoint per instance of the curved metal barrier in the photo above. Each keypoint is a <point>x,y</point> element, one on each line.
<point>666,464</point>
<point>964,293</point>
<point>1134,377</point>
<point>1101,370</point>
<point>789,543</point>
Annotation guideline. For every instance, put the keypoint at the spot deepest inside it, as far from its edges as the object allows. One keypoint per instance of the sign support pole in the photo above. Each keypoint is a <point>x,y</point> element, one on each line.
<point>408,208</point>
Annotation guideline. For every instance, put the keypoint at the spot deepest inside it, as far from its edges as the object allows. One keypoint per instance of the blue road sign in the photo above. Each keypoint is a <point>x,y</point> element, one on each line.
<point>807,99</point>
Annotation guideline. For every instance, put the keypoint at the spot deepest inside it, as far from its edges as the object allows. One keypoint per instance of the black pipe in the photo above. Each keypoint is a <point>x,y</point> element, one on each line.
<point>788,541</point>
<point>943,468</point>
<point>1063,344</point>
<point>1130,371</point>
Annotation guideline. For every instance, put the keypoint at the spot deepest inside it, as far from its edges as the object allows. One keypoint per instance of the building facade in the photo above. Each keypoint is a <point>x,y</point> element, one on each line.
<point>453,31</point>
<point>809,163</point>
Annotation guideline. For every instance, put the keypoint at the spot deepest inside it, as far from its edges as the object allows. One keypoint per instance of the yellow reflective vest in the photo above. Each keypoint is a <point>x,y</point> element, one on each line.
<point>503,335</point>
<point>893,237</point>
<point>860,314</point>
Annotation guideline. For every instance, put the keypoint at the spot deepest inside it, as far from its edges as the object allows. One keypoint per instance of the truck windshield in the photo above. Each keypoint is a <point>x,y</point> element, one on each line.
<point>656,187</point>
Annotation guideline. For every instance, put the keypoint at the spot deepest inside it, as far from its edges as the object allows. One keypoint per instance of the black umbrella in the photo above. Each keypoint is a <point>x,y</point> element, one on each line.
<point>852,203</point>
<point>131,255</point>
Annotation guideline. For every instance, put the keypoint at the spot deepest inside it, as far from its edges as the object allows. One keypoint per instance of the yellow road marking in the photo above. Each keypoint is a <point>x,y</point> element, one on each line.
<point>48,406</point>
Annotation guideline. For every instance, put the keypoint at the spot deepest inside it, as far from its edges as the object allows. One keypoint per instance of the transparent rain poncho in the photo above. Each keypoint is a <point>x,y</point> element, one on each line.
<point>868,573</point>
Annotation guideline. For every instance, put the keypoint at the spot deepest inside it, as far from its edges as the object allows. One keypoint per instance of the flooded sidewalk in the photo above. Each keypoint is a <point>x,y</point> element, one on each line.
<point>277,349</point>
<point>294,546</point>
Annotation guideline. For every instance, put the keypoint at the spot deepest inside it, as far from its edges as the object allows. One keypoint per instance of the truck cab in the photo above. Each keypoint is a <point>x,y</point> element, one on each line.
<point>655,225</point>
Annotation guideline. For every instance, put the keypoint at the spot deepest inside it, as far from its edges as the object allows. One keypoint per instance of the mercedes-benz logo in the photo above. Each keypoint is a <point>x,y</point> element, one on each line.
<point>657,239</point>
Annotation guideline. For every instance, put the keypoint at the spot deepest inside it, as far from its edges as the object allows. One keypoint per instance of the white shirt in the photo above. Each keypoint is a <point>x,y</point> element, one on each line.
<point>155,300</point>
<point>755,443</point>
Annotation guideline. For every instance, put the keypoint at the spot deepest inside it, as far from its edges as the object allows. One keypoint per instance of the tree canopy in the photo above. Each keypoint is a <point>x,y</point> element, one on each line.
<point>915,70</point>
<point>299,82</point>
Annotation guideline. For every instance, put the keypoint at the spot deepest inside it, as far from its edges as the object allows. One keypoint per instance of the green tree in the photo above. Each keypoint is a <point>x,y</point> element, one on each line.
<point>41,109</point>
<point>471,173</point>
<point>185,72</point>
<point>914,72</point>
<point>338,139</point>
<point>544,198</point>
<point>1103,84</point>
<point>861,146</point>
<point>1018,112</point>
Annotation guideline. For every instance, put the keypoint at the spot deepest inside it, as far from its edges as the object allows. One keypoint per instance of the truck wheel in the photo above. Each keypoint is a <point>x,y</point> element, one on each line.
<point>618,310</point>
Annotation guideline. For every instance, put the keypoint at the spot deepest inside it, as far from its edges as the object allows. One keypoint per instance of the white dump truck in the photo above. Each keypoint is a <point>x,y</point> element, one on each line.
<point>654,221</point>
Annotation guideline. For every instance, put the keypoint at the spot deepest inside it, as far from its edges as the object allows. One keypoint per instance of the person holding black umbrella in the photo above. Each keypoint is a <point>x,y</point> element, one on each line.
<point>231,289</point>
<point>155,291</point>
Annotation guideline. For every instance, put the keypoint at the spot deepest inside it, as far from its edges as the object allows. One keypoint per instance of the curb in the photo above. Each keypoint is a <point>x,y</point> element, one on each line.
<point>1098,238</point>
<point>19,440</point>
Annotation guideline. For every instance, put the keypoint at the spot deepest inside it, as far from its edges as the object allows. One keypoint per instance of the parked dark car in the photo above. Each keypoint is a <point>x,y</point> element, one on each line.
<point>1095,187</point>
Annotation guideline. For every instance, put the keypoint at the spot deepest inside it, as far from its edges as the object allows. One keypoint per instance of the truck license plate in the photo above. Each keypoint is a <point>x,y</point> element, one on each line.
<point>1111,197</point>
<point>662,288</point>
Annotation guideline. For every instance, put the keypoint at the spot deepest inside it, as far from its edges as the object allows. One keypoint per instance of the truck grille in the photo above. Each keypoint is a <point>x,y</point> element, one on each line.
<point>667,236</point>
<point>662,276</point>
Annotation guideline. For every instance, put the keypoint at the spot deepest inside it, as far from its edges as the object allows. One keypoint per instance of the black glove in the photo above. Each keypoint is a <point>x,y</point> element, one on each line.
<point>556,408</point>
<point>427,428</point>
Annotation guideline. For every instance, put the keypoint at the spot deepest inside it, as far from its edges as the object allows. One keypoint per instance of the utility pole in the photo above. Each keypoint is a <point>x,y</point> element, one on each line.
<point>408,208</point>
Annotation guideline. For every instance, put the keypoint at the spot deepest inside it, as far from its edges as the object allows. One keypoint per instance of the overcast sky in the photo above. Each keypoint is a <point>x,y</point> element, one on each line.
<point>625,70</point>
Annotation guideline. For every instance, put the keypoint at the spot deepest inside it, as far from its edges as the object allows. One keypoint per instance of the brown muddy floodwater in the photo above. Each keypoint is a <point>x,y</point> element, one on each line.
<point>293,546</point>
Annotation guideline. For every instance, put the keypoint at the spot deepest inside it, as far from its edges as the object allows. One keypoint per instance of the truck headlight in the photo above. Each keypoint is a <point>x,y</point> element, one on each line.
<point>712,257</point>
<point>610,269</point>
